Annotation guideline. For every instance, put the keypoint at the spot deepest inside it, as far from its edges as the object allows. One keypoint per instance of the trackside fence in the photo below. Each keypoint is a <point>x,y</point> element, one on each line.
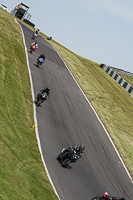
<point>117,78</point>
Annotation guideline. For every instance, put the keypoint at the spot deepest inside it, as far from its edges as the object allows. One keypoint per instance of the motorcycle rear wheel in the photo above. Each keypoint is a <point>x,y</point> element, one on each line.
<point>38,64</point>
<point>66,162</point>
<point>38,101</point>
<point>33,36</point>
<point>31,50</point>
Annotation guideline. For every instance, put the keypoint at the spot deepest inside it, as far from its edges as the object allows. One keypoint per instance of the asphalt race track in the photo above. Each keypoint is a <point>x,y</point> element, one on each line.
<point>67,119</point>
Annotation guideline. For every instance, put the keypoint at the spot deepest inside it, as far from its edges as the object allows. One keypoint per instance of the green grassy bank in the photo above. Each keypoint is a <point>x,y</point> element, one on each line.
<point>22,174</point>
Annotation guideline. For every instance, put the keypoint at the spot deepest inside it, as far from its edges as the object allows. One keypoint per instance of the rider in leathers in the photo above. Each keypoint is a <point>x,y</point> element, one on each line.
<point>79,149</point>
<point>35,44</point>
<point>107,197</point>
<point>41,94</point>
<point>47,90</point>
<point>41,56</point>
<point>37,31</point>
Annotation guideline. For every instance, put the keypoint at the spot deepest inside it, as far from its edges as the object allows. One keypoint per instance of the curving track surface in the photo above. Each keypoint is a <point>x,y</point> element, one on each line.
<point>67,119</point>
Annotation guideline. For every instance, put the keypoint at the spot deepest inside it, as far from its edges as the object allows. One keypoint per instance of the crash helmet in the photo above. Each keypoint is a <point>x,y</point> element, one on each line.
<point>38,29</point>
<point>82,147</point>
<point>105,194</point>
<point>43,55</point>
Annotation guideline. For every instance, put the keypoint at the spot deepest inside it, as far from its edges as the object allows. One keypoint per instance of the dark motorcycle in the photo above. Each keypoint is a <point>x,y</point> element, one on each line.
<point>68,157</point>
<point>39,62</point>
<point>34,35</point>
<point>41,98</point>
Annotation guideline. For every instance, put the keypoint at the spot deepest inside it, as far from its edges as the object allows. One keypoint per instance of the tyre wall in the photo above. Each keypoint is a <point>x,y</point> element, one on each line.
<point>117,78</point>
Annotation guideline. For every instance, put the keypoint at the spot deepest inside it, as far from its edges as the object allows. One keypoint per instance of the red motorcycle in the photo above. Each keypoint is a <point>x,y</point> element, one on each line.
<point>33,48</point>
<point>107,197</point>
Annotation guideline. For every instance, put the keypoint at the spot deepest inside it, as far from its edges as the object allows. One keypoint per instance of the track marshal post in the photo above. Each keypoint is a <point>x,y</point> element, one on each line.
<point>32,127</point>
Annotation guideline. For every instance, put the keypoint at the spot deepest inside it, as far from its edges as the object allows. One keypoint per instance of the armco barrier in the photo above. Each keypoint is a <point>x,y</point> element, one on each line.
<point>121,71</point>
<point>117,78</point>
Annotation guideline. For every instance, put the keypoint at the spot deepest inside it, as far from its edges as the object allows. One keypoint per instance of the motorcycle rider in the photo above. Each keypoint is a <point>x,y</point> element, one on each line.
<point>42,94</point>
<point>79,149</point>
<point>107,197</point>
<point>41,56</point>
<point>34,44</point>
<point>47,90</point>
<point>37,31</point>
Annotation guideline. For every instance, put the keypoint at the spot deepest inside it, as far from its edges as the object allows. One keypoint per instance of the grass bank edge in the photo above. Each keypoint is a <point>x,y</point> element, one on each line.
<point>22,172</point>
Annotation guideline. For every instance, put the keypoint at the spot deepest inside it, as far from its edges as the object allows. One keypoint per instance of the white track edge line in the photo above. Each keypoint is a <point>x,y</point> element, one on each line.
<point>35,117</point>
<point>97,118</point>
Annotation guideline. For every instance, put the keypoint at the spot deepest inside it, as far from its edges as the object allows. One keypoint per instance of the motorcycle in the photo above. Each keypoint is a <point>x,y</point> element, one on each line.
<point>39,62</point>
<point>34,35</point>
<point>100,198</point>
<point>109,198</point>
<point>41,98</point>
<point>32,48</point>
<point>68,157</point>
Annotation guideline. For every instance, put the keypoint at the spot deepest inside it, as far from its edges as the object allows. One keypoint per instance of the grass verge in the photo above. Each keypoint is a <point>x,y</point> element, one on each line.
<point>22,172</point>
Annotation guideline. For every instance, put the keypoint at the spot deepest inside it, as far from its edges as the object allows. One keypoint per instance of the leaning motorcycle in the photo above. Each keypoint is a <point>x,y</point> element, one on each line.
<point>39,62</point>
<point>32,48</point>
<point>41,98</point>
<point>68,157</point>
<point>34,35</point>
<point>109,198</point>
